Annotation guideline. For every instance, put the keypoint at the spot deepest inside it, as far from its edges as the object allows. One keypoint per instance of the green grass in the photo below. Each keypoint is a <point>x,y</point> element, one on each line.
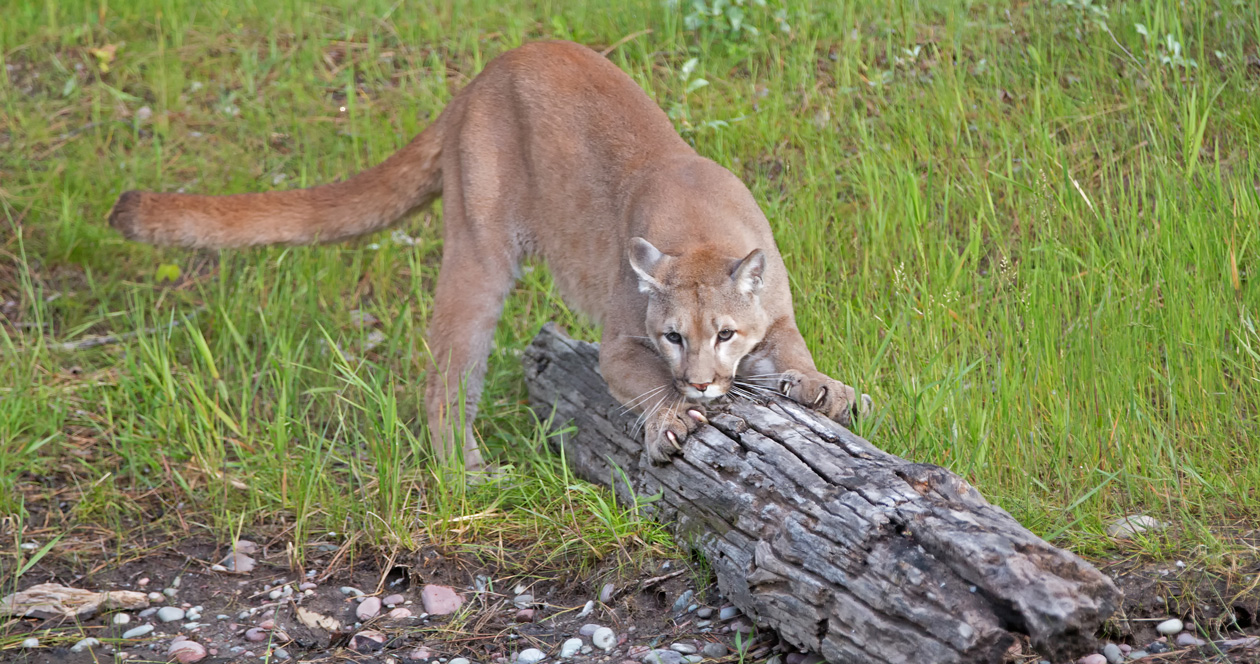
<point>1029,236</point>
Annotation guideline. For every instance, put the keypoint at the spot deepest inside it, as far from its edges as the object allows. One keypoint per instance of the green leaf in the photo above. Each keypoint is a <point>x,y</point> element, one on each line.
<point>167,272</point>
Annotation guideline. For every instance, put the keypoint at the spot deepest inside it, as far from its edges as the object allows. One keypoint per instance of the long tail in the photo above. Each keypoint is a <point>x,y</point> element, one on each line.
<point>408,180</point>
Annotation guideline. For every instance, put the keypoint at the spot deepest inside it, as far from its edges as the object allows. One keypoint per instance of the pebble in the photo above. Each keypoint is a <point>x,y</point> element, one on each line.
<point>1170,627</point>
<point>170,614</point>
<point>606,594</point>
<point>714,650</point>
<point>525,616</point>
<point>156,597</point>
<point>388,600</point>
<point>440,600</point>
<point>280,653</point>
<point>1138,654</point>
<point>1157,648</point>
<point>148,612</point>
<point>121,619</point>
<point>1112,652</point>
<point>727,613</point>
<point>30,643</point>
<point>137,632</point>
<point>368,609</point>
<point>530,656</point>
<point>704,612</point>
<point>1186,640</point>
<point>187,652</point>
<point>144,581</point>
<point>683,600</point>
<point>696,659</point>
<point>351,591</point>
<point>586,610</point>
<point>1126,648</point>
<point>399,613</point>
<point>267,624</point>
<point>84,644</point>
<point>421,654</point>
<point>307,585</point>
<point>459,660</point>
<point>604,639</point>
<point>1092,659</point>
<point>659,656</point>
<point>256,634</point>
<point>1245,642</point>
<point>570,648</point>
<point>523,601</point>
<point>170,592</point>
<point>1127,526</point>
<point>684,648</point>
<point>588,629</point>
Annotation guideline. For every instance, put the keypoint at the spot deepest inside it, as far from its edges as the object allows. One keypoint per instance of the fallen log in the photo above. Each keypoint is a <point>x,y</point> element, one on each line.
<point>843,549</point>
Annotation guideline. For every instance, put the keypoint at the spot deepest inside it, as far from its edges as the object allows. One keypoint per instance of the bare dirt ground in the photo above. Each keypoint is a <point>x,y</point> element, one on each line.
<point>662,611</point>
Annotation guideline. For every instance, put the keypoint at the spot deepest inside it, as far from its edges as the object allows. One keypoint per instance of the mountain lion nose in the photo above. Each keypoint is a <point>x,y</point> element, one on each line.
<point>701,386</point>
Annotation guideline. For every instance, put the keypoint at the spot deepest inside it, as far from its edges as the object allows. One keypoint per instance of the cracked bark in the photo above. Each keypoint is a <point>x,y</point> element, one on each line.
<point>843,549</point>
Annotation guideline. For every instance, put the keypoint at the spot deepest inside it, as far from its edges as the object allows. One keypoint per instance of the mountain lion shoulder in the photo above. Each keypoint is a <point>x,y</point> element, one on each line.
<point>552,151</point>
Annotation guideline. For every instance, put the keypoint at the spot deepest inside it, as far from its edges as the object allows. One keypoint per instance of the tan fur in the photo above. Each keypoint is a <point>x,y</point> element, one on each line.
<point>552,151</point>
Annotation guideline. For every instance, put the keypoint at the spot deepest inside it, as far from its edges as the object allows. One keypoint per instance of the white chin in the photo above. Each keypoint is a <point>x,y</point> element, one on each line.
<point>703,397</point>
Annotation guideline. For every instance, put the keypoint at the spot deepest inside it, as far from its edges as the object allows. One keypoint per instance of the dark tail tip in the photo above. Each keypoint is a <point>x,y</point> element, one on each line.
<point>125,215</point>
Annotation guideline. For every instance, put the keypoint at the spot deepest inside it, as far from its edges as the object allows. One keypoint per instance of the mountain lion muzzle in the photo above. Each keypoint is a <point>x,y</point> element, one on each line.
<point>552,151</point>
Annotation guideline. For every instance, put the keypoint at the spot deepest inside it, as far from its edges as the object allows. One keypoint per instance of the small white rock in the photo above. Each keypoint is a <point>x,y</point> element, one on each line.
<point>170,614</point>
<point>156,597</point>
<point>137,632</point>
<point>31,643</point>
<point>586,610</point>
<point>84,644</point>
<point>1186,639</point>
<point>530,656</point>
<point>570,648</point>
<point>604,639</point>
<point>1127,526</point>
<point>1170,627</point>
<point>459,660</point>
<point>121,619</point>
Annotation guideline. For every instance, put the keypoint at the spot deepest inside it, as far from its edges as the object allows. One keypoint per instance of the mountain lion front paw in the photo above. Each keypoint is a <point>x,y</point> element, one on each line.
<point>824,394</point>
<point>667,428</point>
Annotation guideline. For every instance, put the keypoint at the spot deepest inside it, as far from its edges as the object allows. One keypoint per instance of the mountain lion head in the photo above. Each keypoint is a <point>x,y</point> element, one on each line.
<point>704,314</point>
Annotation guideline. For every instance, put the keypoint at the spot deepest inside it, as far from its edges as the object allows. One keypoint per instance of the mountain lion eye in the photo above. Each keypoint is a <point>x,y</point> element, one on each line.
<point>674,338</point>
<point>725,335</point>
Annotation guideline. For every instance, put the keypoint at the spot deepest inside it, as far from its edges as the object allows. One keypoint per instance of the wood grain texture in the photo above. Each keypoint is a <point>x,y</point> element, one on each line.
<point>843,549</point>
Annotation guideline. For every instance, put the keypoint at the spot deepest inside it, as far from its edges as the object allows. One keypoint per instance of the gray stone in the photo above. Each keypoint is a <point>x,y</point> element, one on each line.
<point>523,601</point>
<point>660,656</point>
<point>529,656</point>
<point>683,600</point>
<point>1112,652</point>
<point>170,614</point>
<point>588,629</point>
<point>1138,654</point>
<point>280,653</point>
<point>606,594</point>
<point>727,613</point>
<point>30,643</point>
<point>137,632</point>
<point>704,612</point>
<point>684,648</point>
<point>695,659</point>
<point>714,650</point>
<point>84,644</point>
<point>145,613</point>
<point>570,648</point>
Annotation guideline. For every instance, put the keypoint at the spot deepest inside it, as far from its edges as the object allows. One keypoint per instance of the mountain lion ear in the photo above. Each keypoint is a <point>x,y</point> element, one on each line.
<point>747,274</point>
<point>645,258</point>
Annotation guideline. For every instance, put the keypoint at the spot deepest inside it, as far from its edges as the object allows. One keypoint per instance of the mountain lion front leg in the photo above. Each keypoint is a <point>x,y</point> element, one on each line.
<point>785,364</point>
<point>639,380</point>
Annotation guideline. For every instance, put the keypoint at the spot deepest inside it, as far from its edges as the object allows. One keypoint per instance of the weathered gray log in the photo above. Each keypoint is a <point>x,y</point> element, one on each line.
<point>843,549</point>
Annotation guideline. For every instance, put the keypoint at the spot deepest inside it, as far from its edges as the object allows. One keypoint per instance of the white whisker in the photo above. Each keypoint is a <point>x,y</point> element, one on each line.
<point>638,401</point>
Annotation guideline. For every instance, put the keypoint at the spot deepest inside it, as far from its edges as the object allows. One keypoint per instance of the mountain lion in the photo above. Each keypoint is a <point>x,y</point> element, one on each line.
<point>553,151</point>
